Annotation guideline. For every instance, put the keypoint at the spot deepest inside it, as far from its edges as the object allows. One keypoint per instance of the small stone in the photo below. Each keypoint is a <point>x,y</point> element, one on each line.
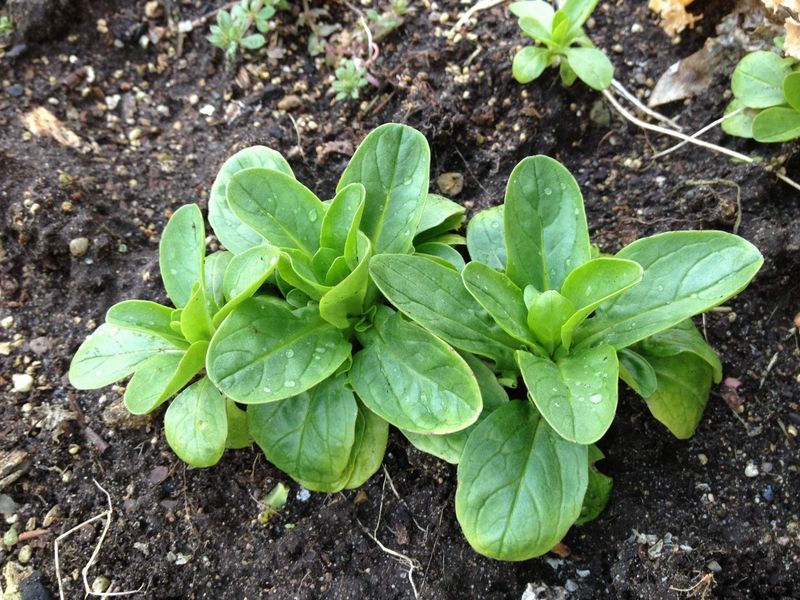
<point>766,467</point>
<point>15,90</point>
<point>134,134</point>
<point>450,184</point>
<point>41,345</point>
<point>7,322</point>
<point>11,536</point>
<point>751,470</point>
<point>703,459</point>
<point>637,28</point>
<point>22,382</point>
<point>207,110</point>
<point>303,495</point>
<point>5,348</point>
<point>714,566</point>
<point>79,247</point>
<point>571,586</point>
<point>360,498</point>
<point>100,584</point>
<point>52,514</point>
<point>153,10</point>
<point>25,554</point>
<point>600,115</point>
<point>7,505</point>
<point>583,573</point>
<point>289,102</point>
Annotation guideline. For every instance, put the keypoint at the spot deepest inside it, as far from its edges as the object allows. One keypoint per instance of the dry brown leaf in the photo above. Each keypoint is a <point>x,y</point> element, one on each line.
<point>791,45</point>
<point>41,122</point>
<point>674,16</point>
<point>774,5</point>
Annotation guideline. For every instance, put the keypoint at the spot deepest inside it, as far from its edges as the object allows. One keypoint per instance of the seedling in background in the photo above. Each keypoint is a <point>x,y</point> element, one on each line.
<point>562,43</point>
<point>274,502</point>
<point>350,78</point>
<point>766,91</point>
<point>232,29</point>
<point>538,301</point>
<point>6,25</point>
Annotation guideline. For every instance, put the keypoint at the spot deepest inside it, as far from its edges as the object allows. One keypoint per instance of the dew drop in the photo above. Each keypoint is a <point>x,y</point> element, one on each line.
<point>312,215</point>
<point>289,353</point>
<point>595,398</point>
<point>202,425</point>
<point>548,191</point>
<point>174,271</point>
<point>289,384</point>
<point>267,390</point>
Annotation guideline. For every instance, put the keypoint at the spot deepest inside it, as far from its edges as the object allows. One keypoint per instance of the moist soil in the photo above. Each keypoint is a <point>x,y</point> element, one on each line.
<point>712,517</point>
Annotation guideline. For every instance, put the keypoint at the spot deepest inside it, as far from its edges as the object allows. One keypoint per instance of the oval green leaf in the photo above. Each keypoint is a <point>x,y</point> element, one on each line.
<point>777,124</point>
<point>413,379</point>
<point>486,241</point>
<point>146,317</point>
<point>232,232</point>
<point>181,253</point>
<point>196,425</point>
<point>520,486</point>
<point>758,79</point>
<point>591,66</point>
<point>265,352</point>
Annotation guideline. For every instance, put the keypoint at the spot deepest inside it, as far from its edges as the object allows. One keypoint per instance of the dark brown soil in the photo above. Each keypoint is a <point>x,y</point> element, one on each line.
<point>179,533</point>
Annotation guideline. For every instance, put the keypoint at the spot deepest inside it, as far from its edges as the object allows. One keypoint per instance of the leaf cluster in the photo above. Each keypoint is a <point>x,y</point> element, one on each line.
<point>326,321</point>
<point>766,91</point>
<point>561,42</point>
<point>537,301</point>
<point>232,30</point>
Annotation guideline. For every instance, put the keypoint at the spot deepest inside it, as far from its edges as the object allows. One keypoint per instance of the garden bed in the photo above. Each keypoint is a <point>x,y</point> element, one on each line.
<point>718,514</point>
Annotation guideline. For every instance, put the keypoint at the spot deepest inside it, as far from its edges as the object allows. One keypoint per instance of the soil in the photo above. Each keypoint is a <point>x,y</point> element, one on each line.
<point>684,519</point>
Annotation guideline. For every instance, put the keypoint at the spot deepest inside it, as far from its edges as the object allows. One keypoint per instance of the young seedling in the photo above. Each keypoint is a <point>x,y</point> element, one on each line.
<point>350,78</point>
<point>232,29</point>
<point>562,43</point>
<point>766,91</point>
<point>6,25</point>
<point>538,301</point>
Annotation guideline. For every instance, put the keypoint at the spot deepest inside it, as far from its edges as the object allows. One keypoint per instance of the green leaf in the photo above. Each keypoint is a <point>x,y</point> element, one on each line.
<point>684,382</point>
<point>545,225</point>
<point>238,434</point>
<point>567,73</point>
<point>685,273</point>
<point>486,240</point>
<point>500,297</point>
<point>342,219</point>
<point>412,379</point>
<point>449,447</point>
<point>196,425</point>
<point>309,436</point>
<point>435,297</point>
<point>253,41</point>
<point>530,62</point>
<point>577,394</point>
<point>740,125</point>
<point>196,323</point>
<point>758,79</point>
<point>297,270</point>
<point>213,275</point>
<point>591,66</point>
<point>439,216</point>
<point>346,299</point>
<point>181,253</point>
<point>534,28</point>
<point>684,337</point>
<point>791,90</point>
<point>594,282</point>
<point>637,372</point>
<point>537,9</point>
<point>559,28</point>
<point>146,317</point>
<point>578,12</point>
<point>246,273</point>
<point>235,235</point>
<point>520,486</point>
<point>442,252</point>
<point>598,490</point>
<point>265,352</point>
<point>277,206</point>
<point>371,437</point>
<point>778,124</point>
<point>547,315</point>
<point>112,353</point>
<point>393,164</point>
<point>163,376</point>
